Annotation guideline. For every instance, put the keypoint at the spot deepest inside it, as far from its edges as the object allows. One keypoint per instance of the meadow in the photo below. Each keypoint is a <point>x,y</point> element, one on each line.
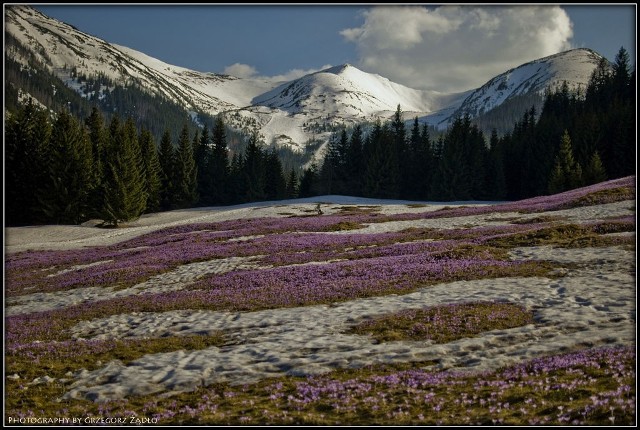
<point>383,313</point>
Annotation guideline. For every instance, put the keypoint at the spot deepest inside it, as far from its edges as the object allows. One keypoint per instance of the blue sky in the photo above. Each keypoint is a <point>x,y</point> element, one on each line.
<point>444,48</point>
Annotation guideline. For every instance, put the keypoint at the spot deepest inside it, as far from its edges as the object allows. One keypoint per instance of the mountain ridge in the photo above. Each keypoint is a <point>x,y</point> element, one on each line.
<point>291,113</point>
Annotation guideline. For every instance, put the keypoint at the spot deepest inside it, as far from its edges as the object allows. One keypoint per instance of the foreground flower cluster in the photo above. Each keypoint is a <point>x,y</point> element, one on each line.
<point>594,387</point>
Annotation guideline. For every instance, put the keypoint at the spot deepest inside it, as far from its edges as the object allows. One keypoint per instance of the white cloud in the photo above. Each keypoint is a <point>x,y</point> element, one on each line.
<point>240,70</point>
<point>297,73</point>
<point>246,71</point>
<point>456,48</point>
<point>398,27</point>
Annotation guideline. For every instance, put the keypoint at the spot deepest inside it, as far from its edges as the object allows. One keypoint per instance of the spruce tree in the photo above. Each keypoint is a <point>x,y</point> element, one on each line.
<point>185,175</point>
<point>533,176</point>
<point>253,169</point>
<point>557,181</point>
<point>402,156</point>
<point>152,171</point>
<point>622,116</point>
<point>425,163</point>
<point>219,169</point>
<point>381,174</point>
<point>275,183</point>
<point>566,173</point>
<point>519,153</point>
<point>237,184</point>
<point>355,162</point>
<point>65,197</point>
<point>309,182</point>
<point>419,167</point>
<point>598,98</point>
<point>397,126</point>
<point>437,175</point>
<point>621,75</point>
<point>341,185</point>
<point>27,135</point>
<point>202,157</point>
<point>453,179</point>
<point>477,155</point>
<point>125,197</point>
<point>166,157</point>
<point>414,172</point>
<point>292,185</point>
<point>585,135</point>
<point>99,137</point>
<point>328,179</point>
<point>594,172</point>
<point>195,143</point>
<point>495,180</point>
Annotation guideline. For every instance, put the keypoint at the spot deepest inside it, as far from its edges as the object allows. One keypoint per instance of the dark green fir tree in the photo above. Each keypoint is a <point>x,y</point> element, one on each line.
<point>185,179</point>
<point>125,198</point>
<point>152,171</point>
<point>166,158</point>
<point>65,197</point>
<point>566,173</point>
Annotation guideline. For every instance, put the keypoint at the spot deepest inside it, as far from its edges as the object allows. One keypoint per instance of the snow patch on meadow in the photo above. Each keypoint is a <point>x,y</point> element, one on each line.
<point>61,237</point>
<point>591,306</point>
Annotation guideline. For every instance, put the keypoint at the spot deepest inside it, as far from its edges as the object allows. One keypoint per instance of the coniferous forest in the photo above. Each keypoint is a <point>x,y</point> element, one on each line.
<point>70,169</point>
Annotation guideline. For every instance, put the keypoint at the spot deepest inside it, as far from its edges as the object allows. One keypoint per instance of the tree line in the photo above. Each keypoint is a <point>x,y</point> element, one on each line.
<point>66,171</point>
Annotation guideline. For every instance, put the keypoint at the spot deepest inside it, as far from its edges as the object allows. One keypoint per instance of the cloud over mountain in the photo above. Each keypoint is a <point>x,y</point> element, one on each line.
<point>240,70</point>
<point>459,45</point>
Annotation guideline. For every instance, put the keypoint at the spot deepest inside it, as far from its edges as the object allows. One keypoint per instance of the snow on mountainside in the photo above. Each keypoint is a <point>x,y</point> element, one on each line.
<point>61,47</point>
<point>284,113</point>
<point>573,67</point>
<point>229,92</point>
<point>348,91</point>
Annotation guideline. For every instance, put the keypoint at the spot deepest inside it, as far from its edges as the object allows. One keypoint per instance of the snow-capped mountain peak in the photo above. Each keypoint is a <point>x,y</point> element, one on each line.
<point>346,91</point>
<point>573,67</point>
